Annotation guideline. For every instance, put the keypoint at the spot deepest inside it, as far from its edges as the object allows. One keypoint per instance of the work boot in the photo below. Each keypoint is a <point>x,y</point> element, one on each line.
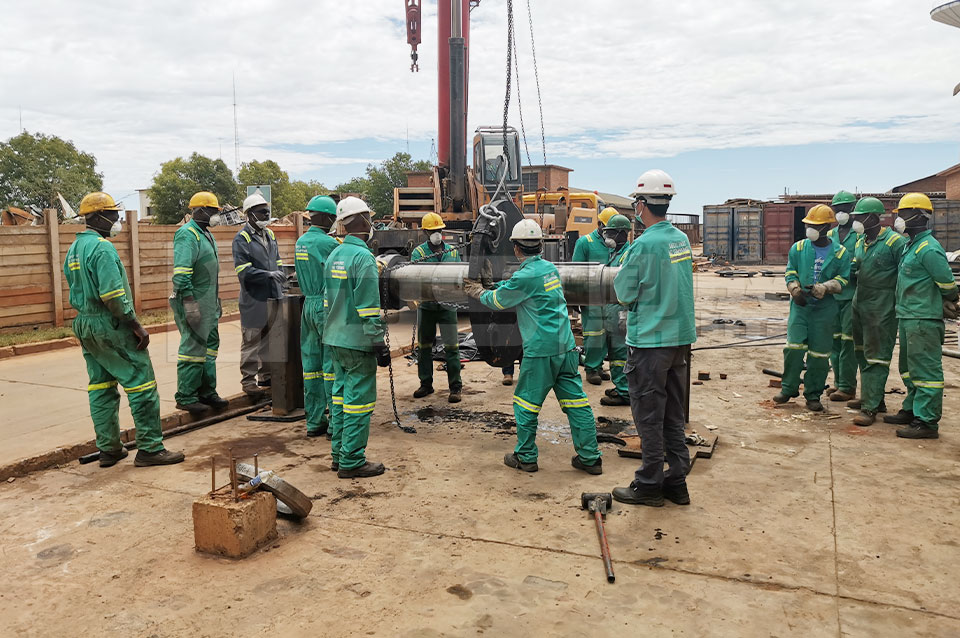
<point>814,405</point>
<point>855,404</point>
<point>596,468</point>
<point>604,374</point>
<point>841,395</point>
<point>677,494</point>
<point>193,408</point>
<point>264,383</point>
<point>903,417</point>
<point>160,457</point>
<point>334,466</point>
<point>215,401</point>
<point>455,395</point>
<point>366,470</point>
<point>780,397</point>
<point>612,392</point>
<point>593,377</point>
<point>314,433</point>
<point>253,392</point>
<point>423,391</point>
<point>651,495</point>
<point>109,459</point>
<point>511,459</point>
<point>508,379</point>
<point>865,418</point>
<point>615,399</point>
<point>918,430</point>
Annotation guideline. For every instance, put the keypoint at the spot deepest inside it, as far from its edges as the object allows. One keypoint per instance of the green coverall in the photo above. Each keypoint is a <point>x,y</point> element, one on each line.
<point>550,359</point>
<point>843,357</point>
<point>810,327</point>
<point>924,281</point>
<point>312,251</point>
<point>352,327</point>
<point>100,293</point>
<point>196,267</point>
<point>874,312</point>
<point>616,343</point>
<point>590,248</point>
<point>430,315</point>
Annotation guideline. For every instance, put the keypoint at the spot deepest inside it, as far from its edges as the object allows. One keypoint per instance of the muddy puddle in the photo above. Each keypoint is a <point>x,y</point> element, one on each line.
<point>491,421</point>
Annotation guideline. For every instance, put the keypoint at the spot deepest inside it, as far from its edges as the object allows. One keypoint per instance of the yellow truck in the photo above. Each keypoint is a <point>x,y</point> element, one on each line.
<point>561,212</point>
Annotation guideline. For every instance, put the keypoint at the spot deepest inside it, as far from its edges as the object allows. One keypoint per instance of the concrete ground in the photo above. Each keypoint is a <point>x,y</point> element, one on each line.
<point>801,525</point>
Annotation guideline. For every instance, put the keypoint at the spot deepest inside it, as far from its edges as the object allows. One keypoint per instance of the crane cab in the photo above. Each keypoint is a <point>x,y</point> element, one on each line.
<point>488,160</point>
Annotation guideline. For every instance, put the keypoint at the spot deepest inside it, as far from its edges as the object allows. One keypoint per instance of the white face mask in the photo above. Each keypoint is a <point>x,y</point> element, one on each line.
<point>858,228</point>
<point>900,225</point>
<point>436,239</point>
<point>262,223</point>
<point>610,243</point>
<point>116,228</point>
<point>843,218</point>
<point>813,234</point>
<point>215,220</point>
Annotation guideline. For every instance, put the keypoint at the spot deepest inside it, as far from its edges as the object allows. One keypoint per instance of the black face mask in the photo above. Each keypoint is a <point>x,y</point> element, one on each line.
<point>102,221</point>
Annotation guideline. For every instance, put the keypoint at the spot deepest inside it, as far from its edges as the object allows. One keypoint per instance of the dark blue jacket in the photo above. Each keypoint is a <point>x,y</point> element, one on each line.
<point>254,262</point>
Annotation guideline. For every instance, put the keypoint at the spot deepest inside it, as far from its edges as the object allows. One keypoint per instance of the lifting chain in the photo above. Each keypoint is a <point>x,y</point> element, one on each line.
<point>536,75</point>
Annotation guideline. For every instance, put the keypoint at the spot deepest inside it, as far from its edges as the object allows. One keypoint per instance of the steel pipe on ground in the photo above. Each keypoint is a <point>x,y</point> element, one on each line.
<point>583,284</point>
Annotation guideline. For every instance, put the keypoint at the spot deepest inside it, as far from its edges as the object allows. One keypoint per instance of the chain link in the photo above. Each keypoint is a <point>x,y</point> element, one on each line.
<point>536,75</point>
<point>506,97</point>
<point>523,129</point>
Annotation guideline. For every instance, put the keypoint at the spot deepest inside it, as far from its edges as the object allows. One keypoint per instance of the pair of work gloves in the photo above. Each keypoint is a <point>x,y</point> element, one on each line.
<point>473,288</point>
<point>817,290</point>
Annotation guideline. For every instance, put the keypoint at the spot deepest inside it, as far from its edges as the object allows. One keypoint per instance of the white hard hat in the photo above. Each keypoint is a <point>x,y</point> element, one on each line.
<point>655,187</point>
<point>253,200</point>
<point>350,206</point>
<point>527,230</point>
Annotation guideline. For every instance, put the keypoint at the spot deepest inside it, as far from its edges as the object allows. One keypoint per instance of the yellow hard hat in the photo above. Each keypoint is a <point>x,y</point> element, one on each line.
<point>606,214</point>
<point>204,199</point>
<point>820,214</point>
<point>96,202</point>
<point>914,200</point>
<point>432,221</point>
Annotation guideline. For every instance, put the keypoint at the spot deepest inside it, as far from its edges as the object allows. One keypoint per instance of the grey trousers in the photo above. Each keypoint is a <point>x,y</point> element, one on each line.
<point>253,357</point>
<point>657,380</point>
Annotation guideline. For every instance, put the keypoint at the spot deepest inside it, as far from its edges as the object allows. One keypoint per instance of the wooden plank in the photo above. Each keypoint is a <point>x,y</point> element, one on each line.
<point>22,248</point>
<point>27,320</point>
<point>13,301</point>
<point>13,291</point>
<point>134,250</point>
<point>56,274</point>
<point>34,308</point>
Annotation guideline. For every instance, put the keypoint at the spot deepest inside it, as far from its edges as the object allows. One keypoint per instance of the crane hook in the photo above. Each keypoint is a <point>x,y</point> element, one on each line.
<point>413,31</point>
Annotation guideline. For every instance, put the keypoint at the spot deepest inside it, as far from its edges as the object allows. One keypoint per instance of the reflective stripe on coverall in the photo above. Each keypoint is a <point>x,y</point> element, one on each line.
<point>810,327</point>
<point>616,343</point>
<point>100,293</point>
<point>196,268</point>
<point>549,357</point>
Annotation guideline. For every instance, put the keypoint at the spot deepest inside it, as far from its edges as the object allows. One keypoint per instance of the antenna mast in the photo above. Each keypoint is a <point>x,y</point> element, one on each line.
<point>236,131</point>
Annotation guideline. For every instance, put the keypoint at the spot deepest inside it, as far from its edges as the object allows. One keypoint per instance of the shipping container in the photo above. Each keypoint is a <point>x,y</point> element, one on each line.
<point>717,231</point>
<point>946,223</point>
<point>747,242</point>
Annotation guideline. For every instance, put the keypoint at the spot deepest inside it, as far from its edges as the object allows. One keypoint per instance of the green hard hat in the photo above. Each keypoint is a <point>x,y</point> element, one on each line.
<point>869,206</point>
<point>322,204</point>
<point>618,222</point>
<point>843,197</point>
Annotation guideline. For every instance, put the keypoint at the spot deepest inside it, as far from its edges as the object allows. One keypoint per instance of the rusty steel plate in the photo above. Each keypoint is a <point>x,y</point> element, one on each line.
<point>298,503</point>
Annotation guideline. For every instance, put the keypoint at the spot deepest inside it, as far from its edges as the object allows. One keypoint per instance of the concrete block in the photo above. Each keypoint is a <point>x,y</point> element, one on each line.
<point>230,529</point>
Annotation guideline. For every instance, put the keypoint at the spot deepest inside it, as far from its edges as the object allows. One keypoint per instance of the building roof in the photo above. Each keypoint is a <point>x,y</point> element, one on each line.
<point>539,167</point>
<point>949,171</point>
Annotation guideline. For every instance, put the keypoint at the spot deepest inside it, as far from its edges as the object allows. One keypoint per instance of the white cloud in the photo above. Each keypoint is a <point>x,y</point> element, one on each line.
<point>138,83</point>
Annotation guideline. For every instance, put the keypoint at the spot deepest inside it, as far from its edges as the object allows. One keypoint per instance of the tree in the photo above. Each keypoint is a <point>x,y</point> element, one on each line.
<point>285,197</point>
<point>305,191</point>
<point>179,179</point>
<point>35,167</point>
<point>377,187</point>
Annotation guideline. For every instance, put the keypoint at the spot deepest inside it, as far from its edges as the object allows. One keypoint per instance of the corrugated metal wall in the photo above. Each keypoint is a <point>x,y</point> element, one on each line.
<point>747,239</point>
<point>717,231</point>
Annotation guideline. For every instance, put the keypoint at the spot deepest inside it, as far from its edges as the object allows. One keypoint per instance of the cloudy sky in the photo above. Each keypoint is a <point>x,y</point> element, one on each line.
<point>742,98</point>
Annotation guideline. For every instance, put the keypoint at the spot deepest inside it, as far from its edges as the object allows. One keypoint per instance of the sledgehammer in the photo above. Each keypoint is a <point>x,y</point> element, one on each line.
<point>599,504</point>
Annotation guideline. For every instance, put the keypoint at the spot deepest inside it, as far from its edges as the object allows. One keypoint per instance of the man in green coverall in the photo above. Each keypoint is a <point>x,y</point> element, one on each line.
<point>875,265</point>
<point>430,315</point>
<point>550,359</point>
<point>311,253</point>
<point>655,284</point>
<point>591,248</point>
<point>615,236</point>
<point>817,269</point>
<point>354,332</point>
<point>926,294</point>
<point>196,306</point>
<point>113,342</point>
<point>843,356</point>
